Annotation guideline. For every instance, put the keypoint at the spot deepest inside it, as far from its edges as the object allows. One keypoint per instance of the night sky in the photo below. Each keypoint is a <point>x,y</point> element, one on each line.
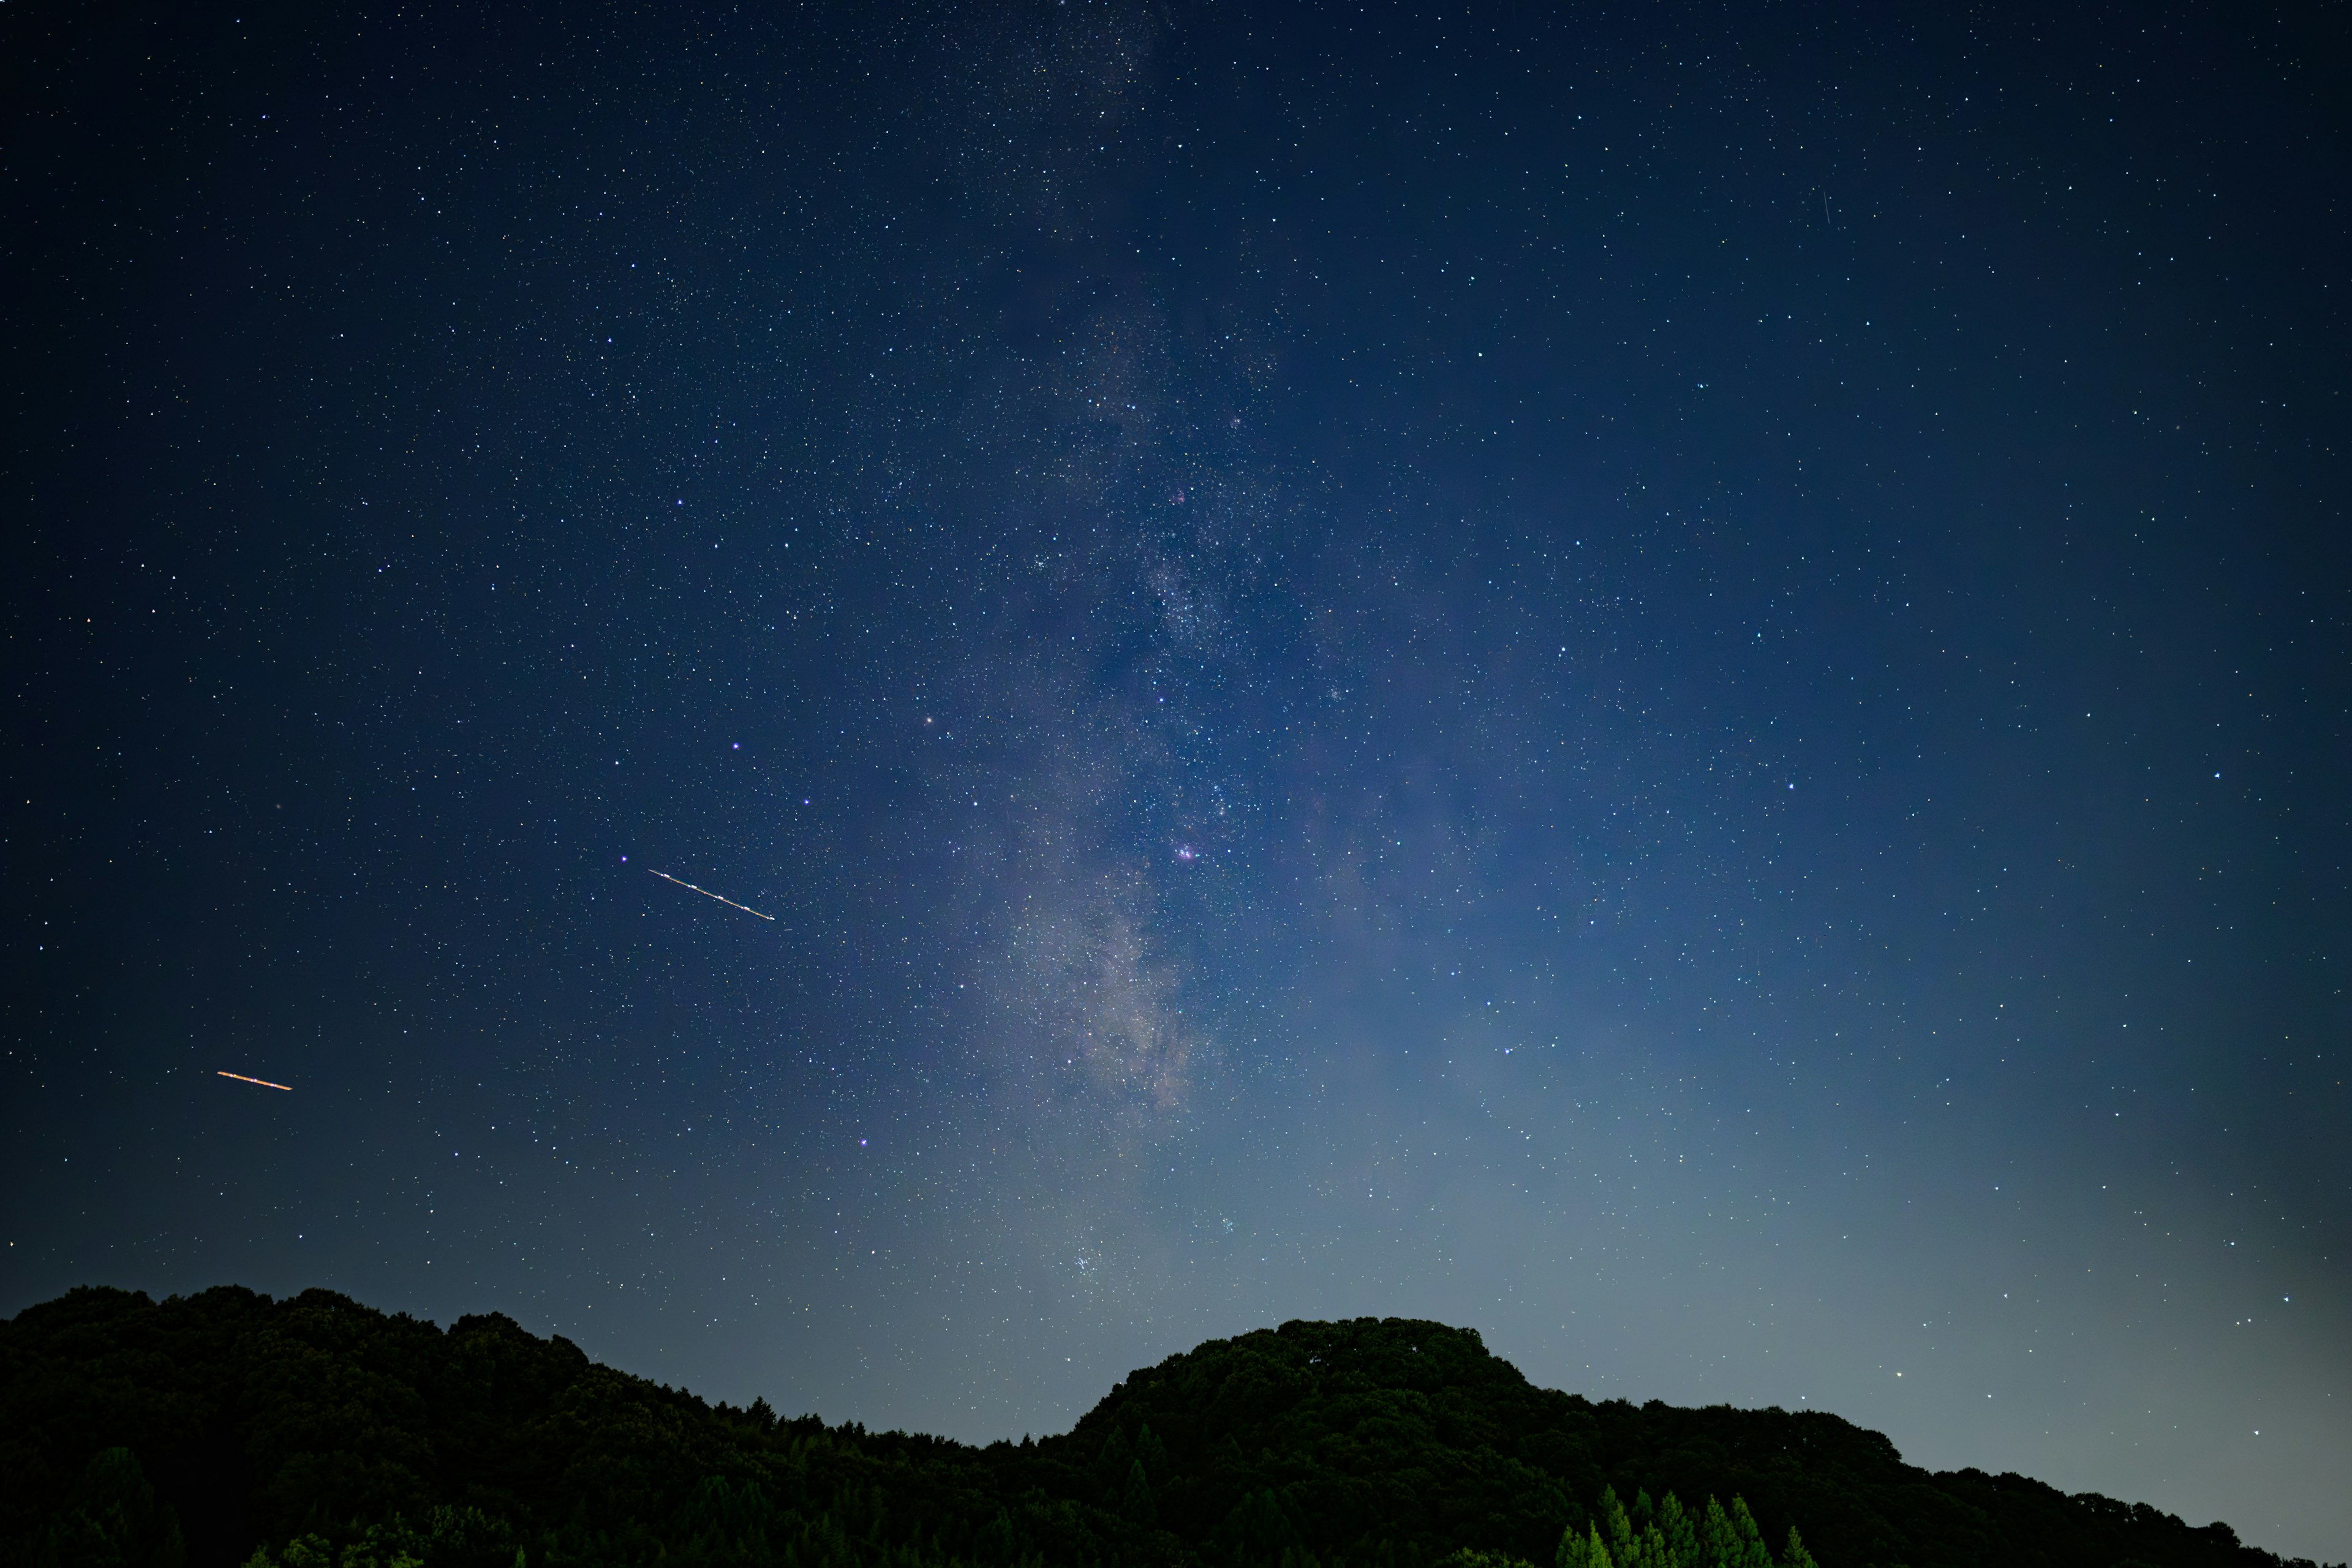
<point>1671,681</point>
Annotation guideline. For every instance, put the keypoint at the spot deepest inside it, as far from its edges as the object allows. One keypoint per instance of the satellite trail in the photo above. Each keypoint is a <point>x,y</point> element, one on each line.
<point>262,1081</point>
<point>709,894</point>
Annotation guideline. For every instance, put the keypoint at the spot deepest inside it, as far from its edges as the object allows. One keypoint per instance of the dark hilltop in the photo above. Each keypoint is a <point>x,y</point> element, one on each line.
<point>228,1429</point>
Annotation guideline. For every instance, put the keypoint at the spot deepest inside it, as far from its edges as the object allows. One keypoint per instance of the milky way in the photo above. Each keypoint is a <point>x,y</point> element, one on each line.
<point>1671,685</point>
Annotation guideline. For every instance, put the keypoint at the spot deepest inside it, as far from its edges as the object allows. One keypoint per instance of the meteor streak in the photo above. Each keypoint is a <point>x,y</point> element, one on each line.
<point>262,1081</point>
<point>709,894</point>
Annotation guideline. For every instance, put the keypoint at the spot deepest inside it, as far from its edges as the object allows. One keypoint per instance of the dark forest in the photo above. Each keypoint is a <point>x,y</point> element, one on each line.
<point>226,1428</point>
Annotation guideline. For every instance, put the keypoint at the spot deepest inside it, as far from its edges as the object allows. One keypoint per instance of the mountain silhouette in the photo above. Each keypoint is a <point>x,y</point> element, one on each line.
<point>226,1428</point>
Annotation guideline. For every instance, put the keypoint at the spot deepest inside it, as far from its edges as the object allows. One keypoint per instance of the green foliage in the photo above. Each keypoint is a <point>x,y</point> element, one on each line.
<point>226,1428</point>
<point>447,1538</point>
<point>111,1519</point>
<point>1666,1535</point>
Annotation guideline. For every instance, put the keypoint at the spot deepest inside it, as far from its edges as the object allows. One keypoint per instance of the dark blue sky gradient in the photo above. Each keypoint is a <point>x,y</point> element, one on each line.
<point>1673,682</point>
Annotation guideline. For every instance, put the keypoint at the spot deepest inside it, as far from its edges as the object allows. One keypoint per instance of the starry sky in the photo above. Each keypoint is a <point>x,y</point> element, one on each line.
<point>1671,681</point>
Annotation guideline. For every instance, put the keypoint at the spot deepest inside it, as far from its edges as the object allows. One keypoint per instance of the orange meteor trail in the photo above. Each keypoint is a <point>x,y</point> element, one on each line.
<point>262,1081</point>
<point>709,894</point>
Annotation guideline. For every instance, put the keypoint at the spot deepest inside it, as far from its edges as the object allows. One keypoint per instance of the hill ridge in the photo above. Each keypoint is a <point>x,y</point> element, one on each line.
<point>321,1433</point>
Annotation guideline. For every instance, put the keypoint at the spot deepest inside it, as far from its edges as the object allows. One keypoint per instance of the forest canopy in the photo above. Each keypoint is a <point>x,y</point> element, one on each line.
<point>226,1428</point>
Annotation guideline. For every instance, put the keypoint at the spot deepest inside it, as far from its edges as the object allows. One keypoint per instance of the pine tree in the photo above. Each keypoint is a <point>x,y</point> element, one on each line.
<point>1135,1500</point>
<point>1680,1533</point>
<point>1753,1552</point>
<point>114,1518</point>
<point>1153,1452</point>
<point>1719,1542</point>
<point>1620,1530</point>
<point>1110,1466</point>
<point>1586,1551</point>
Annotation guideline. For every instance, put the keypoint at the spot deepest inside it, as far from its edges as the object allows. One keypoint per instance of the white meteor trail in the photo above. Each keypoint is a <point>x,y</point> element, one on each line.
<point>262,1081</point>
<point>709,894</point>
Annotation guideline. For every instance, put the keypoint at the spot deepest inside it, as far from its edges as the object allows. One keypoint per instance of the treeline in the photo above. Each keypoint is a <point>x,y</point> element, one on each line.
<point>1668,1536</point>
<point>226,1428</point>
